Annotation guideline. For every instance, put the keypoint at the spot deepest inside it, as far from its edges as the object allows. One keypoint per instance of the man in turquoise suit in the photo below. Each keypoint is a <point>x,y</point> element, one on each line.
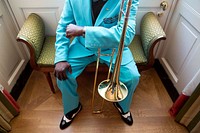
<point>93,24</point>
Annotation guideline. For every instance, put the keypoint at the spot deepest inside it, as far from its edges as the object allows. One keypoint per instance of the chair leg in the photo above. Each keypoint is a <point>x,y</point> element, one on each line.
<point>48,77</point>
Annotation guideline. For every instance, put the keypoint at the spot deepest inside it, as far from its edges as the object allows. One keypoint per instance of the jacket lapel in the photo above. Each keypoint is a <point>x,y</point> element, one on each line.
<point>86,11</point>
<point>106,10</point>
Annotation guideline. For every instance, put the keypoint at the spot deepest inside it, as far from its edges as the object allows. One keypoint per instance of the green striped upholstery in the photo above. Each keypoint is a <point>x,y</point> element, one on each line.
<point>47,55</point>
<point>189,115</point>
<point>33,31</point>
<point>137,51</point>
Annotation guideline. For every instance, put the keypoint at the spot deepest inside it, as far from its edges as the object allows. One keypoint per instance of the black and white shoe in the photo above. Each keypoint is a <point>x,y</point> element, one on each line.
<point>68,118</point>
<point>126,117</point>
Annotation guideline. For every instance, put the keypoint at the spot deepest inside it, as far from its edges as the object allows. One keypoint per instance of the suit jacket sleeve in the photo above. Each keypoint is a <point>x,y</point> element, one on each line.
<point>101,37</point>
<point>62,42</point>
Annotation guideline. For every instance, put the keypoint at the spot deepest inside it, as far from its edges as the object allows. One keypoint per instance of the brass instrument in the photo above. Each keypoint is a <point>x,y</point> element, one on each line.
<point>112,89</point>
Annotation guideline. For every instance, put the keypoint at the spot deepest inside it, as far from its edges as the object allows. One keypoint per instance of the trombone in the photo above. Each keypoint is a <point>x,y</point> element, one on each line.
<point>112,89</point>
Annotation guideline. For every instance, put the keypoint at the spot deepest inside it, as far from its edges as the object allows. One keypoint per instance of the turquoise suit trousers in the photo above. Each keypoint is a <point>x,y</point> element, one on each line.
<point>129,75</point>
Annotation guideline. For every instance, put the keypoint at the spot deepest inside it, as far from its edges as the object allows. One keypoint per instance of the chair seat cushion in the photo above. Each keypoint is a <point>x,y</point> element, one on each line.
<point>137,50</point>
<point>47,54</point>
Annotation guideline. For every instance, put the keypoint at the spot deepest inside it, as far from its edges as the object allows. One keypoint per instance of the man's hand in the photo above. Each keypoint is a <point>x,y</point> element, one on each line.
<point>60,70</point>
<point>74,30</point>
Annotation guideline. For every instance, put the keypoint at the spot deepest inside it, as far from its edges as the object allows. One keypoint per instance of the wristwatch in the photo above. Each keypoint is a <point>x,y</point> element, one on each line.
<point>83,32</point>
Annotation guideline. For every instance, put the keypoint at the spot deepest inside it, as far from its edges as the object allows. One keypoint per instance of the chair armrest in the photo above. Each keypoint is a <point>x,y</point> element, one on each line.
<point>151,32</point>
<point>32,34</point>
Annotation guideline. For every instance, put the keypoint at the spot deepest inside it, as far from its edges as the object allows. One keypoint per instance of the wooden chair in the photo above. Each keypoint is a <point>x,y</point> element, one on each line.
<point>41,47</point>
<point>42,50</point>
<point>142,46</point>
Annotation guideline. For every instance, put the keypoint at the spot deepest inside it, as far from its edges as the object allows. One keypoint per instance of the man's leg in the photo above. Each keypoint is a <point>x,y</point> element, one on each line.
<point>130,76</point>
<point>69,86</point>
<point>68,89</point>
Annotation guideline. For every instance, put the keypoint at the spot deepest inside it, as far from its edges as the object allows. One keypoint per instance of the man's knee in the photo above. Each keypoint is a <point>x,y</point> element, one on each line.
<point>128,74</point>
<point>133,76</point>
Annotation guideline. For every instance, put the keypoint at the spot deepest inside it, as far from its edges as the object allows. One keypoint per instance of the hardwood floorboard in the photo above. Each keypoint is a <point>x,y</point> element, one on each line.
<point>41,111</point>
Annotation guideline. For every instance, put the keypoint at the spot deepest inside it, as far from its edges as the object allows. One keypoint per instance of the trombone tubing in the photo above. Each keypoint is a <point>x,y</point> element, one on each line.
<point>120,50</point>
<point>121,44</point>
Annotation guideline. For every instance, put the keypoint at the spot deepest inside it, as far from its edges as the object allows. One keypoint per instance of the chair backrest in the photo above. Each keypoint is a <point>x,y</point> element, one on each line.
<point>33,33</point>
<point>150,31</point>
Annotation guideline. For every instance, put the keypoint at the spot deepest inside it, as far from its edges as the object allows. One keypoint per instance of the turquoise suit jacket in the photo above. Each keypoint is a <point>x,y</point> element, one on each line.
<point>104,34</point>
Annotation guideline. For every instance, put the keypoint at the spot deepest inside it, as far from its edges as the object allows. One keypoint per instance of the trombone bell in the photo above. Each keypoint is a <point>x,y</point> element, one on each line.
<point>112,92</point>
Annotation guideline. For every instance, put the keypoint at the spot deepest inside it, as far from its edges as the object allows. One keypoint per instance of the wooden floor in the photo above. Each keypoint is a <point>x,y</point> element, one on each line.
<point>41,111</point>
